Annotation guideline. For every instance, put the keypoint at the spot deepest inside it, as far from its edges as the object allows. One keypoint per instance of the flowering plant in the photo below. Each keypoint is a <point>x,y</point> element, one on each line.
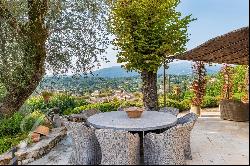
<point>199,83</point>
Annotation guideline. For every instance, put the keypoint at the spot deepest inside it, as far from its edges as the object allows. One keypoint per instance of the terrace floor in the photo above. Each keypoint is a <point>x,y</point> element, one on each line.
<point>213,142</point>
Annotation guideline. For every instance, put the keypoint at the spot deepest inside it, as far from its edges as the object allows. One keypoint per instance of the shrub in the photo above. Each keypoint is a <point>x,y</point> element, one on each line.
<point>35,103</point>
<point>9,141</point>
<point>11,126</point>
<point>32,120</point>
<point>170,103</point>
<point>10,132</point>
<point>188,95</point>
<point>103,107</point>
<point>185,105</point>
<point>174,96</point>
<point>210,102</point>
<point>62,101</point>
<point>131,104</point>
<point>238,96</point>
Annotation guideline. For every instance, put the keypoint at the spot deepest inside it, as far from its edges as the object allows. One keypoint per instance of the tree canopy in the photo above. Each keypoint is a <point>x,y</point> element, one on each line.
<point>146,31</point>
<point>40,35</point>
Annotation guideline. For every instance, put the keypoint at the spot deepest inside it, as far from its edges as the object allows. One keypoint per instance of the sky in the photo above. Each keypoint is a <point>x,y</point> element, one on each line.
<point>214,18</point>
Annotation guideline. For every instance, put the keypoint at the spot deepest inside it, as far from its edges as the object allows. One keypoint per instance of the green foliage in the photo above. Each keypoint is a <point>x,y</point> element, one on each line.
<point>239,78</point>
<point>10,132</point>
<point>185,104</point>
<point>171,103</point>
<point>16,128</point>
<point>146,31</point>
<point>58,35</point>
<point>7,142</point>
<point>174,96</point>
<point>64,101</point>
<point>238,96</point>
<point>31,121</point>
<point>35,103</point>
<point>210,102</point>
<point>188,94</point>
<point>103,107</point>
<point>2,92</point>
<point>61,101</point>
<point>11,126</point>
<point>214,84</point>
<point>131,104</point>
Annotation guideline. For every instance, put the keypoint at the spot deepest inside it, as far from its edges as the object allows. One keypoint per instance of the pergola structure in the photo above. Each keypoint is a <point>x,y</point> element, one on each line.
<point>230,48</point>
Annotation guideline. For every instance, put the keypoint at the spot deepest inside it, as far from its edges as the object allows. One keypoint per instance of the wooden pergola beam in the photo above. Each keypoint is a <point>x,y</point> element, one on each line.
<point>230,48</point>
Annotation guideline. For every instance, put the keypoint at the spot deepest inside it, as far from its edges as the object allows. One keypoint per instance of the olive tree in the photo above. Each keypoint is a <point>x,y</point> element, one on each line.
<point>41,35</point>
<point>146,32</point>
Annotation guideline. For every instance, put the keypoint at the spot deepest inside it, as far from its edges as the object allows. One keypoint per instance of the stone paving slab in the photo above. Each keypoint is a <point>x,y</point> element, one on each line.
<point>218,142</point>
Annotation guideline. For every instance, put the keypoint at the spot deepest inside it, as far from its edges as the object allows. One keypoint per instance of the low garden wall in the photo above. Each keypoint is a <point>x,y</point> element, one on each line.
<point>35,150</point>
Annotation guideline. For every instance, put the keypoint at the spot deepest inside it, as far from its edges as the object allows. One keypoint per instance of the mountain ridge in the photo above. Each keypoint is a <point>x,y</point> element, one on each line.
<point>176,68</point>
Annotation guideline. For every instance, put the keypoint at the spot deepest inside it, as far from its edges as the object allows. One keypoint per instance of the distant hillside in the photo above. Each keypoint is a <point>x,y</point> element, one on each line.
<point>176,68</point>
<point>113,72</point>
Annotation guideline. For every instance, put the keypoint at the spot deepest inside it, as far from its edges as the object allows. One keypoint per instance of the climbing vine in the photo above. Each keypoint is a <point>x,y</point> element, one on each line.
<point>227,73</point>
<point>199,83</point>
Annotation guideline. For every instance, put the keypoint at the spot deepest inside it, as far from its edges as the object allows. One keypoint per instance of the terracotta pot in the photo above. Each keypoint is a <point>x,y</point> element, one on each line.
<point>196,110</point>
<point>134,112</point>
<point>43,130</point>
<point>35,137</point>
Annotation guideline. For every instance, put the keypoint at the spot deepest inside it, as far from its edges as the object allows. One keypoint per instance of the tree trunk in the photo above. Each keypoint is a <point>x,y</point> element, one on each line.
<point>13,101</point>
<point>149,90</point>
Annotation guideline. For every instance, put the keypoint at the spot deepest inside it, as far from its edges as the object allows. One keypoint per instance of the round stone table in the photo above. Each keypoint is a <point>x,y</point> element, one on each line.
<point>118,120</point>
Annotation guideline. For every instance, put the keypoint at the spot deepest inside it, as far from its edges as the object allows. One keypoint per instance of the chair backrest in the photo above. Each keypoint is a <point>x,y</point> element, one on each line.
<point>118,147</point>
<point>90,112</point>
<point>171,110</point>
<point>120,109</point>
<point>86,149</point>
<point>165,148</point>
<point>188,118</point>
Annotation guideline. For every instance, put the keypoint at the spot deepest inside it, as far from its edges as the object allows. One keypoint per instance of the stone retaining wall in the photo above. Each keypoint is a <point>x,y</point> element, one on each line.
<point>36,150</point>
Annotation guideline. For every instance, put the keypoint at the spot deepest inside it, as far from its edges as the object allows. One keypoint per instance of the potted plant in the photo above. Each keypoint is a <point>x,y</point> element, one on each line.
<point>198,86</point>
<point>231,109</point>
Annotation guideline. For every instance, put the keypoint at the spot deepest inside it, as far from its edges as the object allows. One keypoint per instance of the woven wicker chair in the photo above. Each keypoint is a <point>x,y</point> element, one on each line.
<point>165,148</point>
<point>83,116</point>
<point>86,149</point>
<point>188,120</point>
<point>119,147</point>
<point>120,109</point>
<point>171,110</point>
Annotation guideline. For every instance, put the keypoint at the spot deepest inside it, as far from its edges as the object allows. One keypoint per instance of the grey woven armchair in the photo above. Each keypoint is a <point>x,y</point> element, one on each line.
<point>86,149</point>
<point>188,120</point>
<point>165,148</point>
<point>119,147</point>
<point>120,109</point>
<point>171,110</point>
